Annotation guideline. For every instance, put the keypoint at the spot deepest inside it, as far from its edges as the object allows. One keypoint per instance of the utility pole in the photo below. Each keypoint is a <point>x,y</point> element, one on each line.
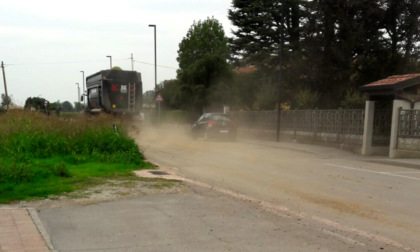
<point>78,92</point>
<point>83,87</point>
<point>132,63</point>
<point>5,87</point>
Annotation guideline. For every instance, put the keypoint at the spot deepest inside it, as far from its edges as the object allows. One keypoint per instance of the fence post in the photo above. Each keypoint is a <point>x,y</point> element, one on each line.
<point>278,122</point>
<point>339,124</point>
<point>315,123</point>
<point>294,124</point>
<point>394,127</point>
<point>408,117</point>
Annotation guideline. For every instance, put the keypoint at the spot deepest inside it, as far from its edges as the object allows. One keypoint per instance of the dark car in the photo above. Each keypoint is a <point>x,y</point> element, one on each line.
<point>214,125</point>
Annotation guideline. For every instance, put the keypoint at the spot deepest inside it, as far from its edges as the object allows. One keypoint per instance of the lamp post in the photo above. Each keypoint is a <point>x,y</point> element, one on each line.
<point>110,61</point>
<point>157,103</point>
<point>154,28</point>
<point>78,92</point>
<point>83,86</point>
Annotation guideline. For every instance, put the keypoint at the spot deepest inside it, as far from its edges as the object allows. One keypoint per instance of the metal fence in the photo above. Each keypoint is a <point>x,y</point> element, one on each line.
<point>327,121</point>
<point>315,122</point>
<point>409,123</point>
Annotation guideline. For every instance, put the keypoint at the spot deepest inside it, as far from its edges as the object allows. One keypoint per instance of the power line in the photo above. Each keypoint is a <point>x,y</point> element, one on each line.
<point>54,63</point>
<point>147,63</point>
<point>81,61</point>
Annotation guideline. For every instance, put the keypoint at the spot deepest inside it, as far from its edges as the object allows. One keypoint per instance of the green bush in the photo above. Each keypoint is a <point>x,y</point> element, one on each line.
<point>306,99</point>
<point>40,136</point>
<point>44,155</point>
<point>354,100</point>
<point>16,172</point>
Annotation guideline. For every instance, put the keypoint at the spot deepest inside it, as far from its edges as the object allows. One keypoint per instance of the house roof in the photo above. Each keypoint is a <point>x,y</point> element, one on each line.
<point>245,69</point>
<point>392,83</point>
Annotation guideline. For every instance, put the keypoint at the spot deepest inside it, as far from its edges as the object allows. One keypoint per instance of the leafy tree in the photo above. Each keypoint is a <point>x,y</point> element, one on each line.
<point>170,91</point>
<point>262,26</point>
<point>246,86</point>
<point>203,37</point>
<point>306,99</point>
<point>328,46</point>
<point>66,106</point>
<point>36,103</point>
<point>78,106</point>
<point>116,68</point>
<point>149,97</point>
<point>202,58</point>
<point>265,31</point>
<point>55,106</point>
<point>6,100</point>
<point>354,100</point>
<point>402,31</point>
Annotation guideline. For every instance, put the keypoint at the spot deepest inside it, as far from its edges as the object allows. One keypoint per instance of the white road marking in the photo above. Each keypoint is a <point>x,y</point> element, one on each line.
<point>407,172</point>
<point>343,238</point>
<point>374,172</point>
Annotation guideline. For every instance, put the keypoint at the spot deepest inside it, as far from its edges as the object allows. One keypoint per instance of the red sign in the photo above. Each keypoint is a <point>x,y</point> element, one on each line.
<point>115,88</point>
<point>158,98</point>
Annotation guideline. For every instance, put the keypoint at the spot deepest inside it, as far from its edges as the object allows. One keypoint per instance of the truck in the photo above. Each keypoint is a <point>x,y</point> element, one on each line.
<point>114,92</point>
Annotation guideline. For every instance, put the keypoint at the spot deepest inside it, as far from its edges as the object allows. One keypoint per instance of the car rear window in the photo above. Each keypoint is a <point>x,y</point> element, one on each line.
<point>220,117</point>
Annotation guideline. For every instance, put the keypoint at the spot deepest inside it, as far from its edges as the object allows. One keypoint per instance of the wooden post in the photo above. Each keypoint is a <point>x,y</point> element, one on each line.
<point>5,87</point>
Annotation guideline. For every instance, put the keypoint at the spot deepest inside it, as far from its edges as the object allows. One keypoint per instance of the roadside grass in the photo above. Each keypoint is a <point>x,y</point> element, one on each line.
<point>48,155</point>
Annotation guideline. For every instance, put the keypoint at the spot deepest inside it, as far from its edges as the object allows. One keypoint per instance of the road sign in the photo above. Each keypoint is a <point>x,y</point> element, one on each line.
<point>158,98</point>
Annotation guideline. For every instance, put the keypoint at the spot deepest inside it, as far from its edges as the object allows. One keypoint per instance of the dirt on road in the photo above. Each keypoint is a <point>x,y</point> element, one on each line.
<point>325,183</point>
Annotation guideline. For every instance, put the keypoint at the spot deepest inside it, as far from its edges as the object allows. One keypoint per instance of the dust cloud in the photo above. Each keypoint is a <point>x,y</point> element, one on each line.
<point>178,136</point>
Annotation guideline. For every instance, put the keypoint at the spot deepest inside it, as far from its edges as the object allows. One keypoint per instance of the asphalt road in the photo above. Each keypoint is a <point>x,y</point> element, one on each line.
<point>196,220</point>
<point>250,196</point>
<point>333,188</point>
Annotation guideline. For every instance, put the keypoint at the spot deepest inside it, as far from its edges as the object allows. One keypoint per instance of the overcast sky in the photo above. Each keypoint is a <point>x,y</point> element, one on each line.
<point>46,43</point>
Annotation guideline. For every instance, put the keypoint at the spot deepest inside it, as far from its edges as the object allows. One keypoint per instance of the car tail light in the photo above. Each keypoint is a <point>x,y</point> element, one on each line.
<point>212,123</point>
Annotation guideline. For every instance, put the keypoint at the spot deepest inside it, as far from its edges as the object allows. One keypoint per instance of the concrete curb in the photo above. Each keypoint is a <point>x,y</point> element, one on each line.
<point>35,218</point>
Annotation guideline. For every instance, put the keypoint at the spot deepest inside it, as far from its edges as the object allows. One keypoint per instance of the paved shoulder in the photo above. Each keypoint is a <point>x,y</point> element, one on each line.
<point>195,220</point>
<point>18,232</point>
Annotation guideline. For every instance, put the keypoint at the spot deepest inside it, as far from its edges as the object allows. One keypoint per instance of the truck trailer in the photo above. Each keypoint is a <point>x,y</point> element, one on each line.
<point>115,92</point>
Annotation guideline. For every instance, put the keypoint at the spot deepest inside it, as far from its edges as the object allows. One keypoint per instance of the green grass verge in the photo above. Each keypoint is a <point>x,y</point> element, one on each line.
<point>46,155</point>
<point>45,177</point>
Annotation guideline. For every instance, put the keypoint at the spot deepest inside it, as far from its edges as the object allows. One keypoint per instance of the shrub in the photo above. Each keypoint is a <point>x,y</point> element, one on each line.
<point>354,100</point>
<point>41,136</point>
<point>306,99</point>
<point>52,155</point>
<point>16,172</point>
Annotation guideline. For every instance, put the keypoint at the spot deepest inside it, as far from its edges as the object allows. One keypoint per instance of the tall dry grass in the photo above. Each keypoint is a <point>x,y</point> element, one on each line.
<point>36,135</point>
<point>42,155</point>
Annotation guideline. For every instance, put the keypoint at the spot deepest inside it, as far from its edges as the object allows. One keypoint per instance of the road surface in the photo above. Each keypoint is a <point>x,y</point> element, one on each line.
<point>341,194</point>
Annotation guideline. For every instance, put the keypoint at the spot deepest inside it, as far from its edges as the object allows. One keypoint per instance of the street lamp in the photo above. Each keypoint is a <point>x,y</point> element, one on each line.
<point>110,61</point>
<point>83,85</point>
<point>154,28</point>
<point>78,92</point>
<point>157,103</point>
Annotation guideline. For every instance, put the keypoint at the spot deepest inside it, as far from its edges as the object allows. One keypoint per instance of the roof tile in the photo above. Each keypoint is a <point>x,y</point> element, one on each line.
<point>391,80</point>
